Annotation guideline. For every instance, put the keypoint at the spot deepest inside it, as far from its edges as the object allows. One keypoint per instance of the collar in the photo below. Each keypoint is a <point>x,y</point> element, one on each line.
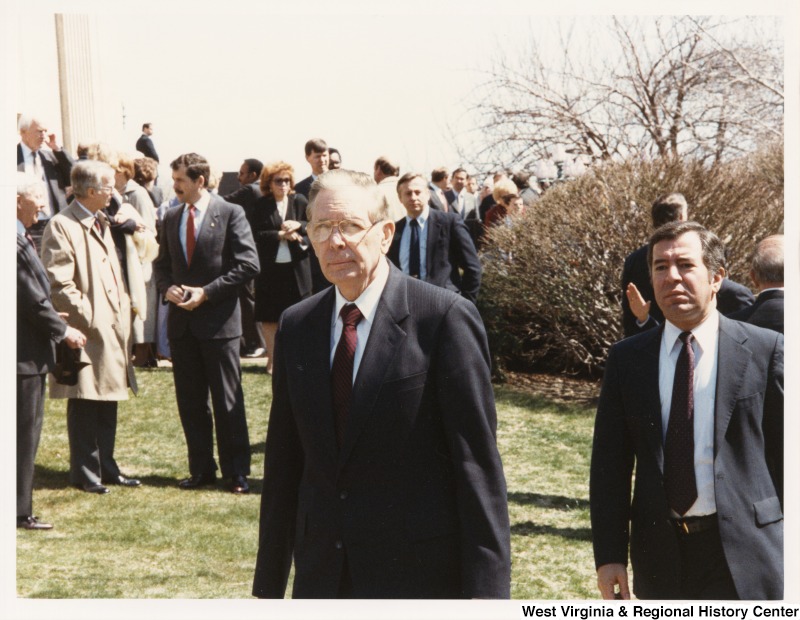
<point>26,151</point>
<point>767,290</point>
<point>202,203</point>
<point>421,218</point>
<point>85,210</point>
<point>21,230</point>
<point>704,334</point>
<point>367,302</point>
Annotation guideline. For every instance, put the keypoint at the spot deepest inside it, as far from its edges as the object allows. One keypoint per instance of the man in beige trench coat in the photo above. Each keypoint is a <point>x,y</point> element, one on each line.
<point>86,281</point>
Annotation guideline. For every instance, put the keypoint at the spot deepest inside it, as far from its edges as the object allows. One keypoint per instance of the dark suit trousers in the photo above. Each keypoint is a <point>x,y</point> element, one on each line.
<point>252,335</point>
<point>704,570</point>
<point>30,414</point>
<point>200,366</point>
<point>92,431</point>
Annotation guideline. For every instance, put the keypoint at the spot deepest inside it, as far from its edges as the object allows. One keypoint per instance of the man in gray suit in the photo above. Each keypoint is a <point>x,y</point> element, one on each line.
<point>697,404</point>
<point>39,329</point>
<point>382,477</point>
<point>206,254</point>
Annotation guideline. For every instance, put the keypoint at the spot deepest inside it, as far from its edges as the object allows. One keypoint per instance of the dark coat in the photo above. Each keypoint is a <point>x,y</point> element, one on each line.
<point>748,464</point>
<point>767,311</point>
<point>39,327</point>
<point>224,258</point>
<point>449,252</point>
<point>146,147</point>
<point>415,498</point>
<point>57,169</point>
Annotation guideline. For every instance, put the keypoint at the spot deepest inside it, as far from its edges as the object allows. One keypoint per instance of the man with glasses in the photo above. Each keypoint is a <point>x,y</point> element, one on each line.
<point>206,253</point>
<point>87,285</point>
<point>382,475</point>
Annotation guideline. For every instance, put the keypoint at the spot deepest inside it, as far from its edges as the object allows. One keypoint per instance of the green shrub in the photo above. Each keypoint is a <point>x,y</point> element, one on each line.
<point>555,305</point>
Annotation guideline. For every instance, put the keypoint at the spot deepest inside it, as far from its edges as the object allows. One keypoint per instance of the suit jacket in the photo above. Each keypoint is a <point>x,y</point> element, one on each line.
<point>146,147</point>
<point>266,225</point>
<point>86,282</point>
<point>57,169</point>
<point>435,202</point>
<point>39,328</point>
<point>767,311</point>
<point>450,250</point>
<point>731,297</point>
<point>224,258</point>
<point>469,202</point>
<point>416,497</point>
<point>748,464</point>
<point>304,186</point>
<point>246,197</point>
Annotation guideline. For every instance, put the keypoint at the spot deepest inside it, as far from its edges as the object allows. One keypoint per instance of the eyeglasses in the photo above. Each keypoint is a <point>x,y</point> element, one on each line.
<point>348,229</point>
<point>282,181</point>
<point>104,188</point>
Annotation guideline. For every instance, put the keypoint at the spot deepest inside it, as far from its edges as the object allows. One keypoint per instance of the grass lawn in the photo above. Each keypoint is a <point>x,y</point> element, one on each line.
<point>157,541</point>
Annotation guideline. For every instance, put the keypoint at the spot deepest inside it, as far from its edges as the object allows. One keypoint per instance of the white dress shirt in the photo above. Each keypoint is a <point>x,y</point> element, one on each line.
<point>705,346</point>
<point>405,243</point>
<point>284,255</point>
<point>367,303</point>
<point>201,207</point>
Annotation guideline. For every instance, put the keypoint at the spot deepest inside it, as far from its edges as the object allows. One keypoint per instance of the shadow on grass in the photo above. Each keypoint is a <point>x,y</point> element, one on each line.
<point>528,528</point>
<point>511,396</point>
<point>558,502</point>
<point>256,369</point>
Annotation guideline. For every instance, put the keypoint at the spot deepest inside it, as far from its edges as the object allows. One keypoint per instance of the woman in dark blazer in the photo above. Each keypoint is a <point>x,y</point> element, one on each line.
<point>279,228</point>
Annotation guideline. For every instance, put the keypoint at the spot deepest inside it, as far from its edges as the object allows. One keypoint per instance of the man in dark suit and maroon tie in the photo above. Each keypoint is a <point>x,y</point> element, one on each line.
<point>39,329</point>
<point>697,405</point>
<point>382,475</point>
<point>206,254</point>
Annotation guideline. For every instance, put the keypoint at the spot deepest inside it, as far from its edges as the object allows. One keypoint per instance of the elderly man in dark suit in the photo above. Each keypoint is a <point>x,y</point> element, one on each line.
<point>52,166</point>
<point>246,196</point>
<point>697,405</point>
<point>39,329</point>
<point>206,254</point>
<point>638,311</point>
<point>432,245</point>
<point>766,271</point>
<point>382,476</point>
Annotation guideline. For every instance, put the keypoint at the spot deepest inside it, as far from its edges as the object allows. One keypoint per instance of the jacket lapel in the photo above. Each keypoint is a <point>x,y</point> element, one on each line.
<point>645,377</point>
<point>385,339</point>
<point>316,347</point>
<point>208,229</point>
<point>732,361</point>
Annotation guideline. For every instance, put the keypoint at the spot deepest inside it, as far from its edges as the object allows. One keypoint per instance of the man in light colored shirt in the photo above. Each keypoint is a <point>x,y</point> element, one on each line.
<point>382,477</point>
<point>697,405</point>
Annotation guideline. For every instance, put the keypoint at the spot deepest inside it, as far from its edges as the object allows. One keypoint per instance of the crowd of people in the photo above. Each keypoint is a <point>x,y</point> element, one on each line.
<point>382,474</point>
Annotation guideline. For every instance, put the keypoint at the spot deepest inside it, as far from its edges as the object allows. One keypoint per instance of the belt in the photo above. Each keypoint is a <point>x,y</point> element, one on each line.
<point>694,525</point>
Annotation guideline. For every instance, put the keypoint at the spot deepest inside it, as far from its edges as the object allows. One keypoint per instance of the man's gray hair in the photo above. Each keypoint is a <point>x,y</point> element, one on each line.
<point>767,261</point>
<point>25,121</point>
<point>29,184</point>
<point>340,178</point>
<point>89,174</point>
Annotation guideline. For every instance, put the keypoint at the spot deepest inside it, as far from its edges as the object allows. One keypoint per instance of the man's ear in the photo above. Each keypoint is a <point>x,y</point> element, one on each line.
<point>717,278</point>
<point>388,234</point>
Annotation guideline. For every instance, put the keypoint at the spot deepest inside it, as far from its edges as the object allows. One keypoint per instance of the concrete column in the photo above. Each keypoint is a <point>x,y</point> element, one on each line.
<point>77,78</point>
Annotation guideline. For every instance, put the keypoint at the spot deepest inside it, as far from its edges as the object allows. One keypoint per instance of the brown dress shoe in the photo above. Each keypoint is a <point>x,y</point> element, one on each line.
<point>33,523</point>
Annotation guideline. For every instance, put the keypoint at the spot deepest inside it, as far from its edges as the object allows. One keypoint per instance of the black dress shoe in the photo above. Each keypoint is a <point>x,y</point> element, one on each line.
<point>239,485</point>
<point>33,523</point>
<point>95,488</point>
<point>194,482</point>
<point>123,481</point>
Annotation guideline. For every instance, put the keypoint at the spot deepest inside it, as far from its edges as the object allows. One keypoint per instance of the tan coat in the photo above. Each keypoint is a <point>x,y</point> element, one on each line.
<point>87,283</point>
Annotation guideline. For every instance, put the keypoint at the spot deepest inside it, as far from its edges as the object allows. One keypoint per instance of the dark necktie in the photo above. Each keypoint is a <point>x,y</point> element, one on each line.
<point>190,238</point>
<point>413,252</point>
<point>98,227</point>
<point>31,241</point>
<point>342,370</point>
<point>680,483</point>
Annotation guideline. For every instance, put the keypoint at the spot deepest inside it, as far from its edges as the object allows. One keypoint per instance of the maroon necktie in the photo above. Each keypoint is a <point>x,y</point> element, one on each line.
<point>31,241</point>
<point>190,238</point>
<point>680,483</point>
<point>342,370</point>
